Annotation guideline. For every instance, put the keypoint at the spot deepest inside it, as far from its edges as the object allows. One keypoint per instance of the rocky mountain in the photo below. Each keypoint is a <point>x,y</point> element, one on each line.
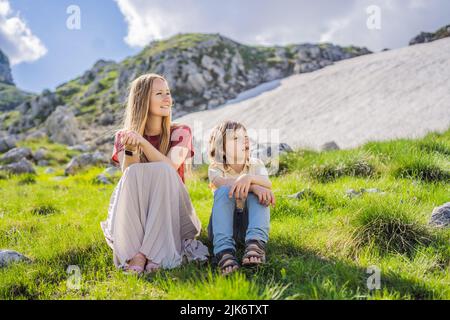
<point>203,70</point>
<point>400,93</point>
<point>424,37</point>
<point>10,96</point>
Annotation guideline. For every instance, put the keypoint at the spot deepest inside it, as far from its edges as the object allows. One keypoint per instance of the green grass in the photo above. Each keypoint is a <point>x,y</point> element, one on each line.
<point>321,244</point>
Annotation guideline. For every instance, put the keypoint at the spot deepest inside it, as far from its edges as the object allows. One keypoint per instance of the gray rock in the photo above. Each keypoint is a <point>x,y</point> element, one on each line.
<point>80,147</point>
<point>352,193</point>
<point>328,146</point>
<point>265,151</point>
<point>15,155</point>
<point>106,119</point>
<point>22,166</point>
<point>37,134</point>
<point>425,37</point>
<point>49,170</point>
<point>440,217</point>
<point>84,160</point>
<point>62,127</point>
<point>40,154</point>
<point>8,257</point>
<point>35,112</point>
<point>300,194</point>
<point>112,171</point>
<point>7,143</point>
<point>5,70</point>
<point>101,178</point>
<point>43,163</point>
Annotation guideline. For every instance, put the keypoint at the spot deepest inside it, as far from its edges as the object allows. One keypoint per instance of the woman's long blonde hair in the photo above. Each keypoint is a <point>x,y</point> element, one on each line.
<point>138,108</point>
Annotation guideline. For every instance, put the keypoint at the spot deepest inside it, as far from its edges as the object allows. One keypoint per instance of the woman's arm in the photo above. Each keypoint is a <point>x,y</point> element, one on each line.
<point>126,161</point>
<point>175,157</point>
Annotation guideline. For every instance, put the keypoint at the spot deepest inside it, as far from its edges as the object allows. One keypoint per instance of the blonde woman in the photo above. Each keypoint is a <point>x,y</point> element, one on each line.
<point>151,221</point>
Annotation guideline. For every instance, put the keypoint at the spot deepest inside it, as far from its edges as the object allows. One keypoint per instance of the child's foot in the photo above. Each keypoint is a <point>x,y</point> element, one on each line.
<point>227,262</point>
<point>136,264</point>
<point>255,253</point>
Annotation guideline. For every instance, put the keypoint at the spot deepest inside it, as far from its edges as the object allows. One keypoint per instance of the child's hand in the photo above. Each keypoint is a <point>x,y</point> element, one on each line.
<point>241,187</point>
<point>265,196</point>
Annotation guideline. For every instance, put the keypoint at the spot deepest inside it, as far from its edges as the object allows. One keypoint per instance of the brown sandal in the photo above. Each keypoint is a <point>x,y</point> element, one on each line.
<point>225,260</point>
<point>254,249</point>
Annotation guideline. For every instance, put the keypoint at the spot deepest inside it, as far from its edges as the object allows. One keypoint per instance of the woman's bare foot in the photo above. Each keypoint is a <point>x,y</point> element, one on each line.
<point>137,263</point>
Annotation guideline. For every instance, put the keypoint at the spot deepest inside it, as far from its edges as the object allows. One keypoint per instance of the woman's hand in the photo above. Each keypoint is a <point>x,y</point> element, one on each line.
<point>265,196</point>
<point>241,187</point>
<point>131,139</point>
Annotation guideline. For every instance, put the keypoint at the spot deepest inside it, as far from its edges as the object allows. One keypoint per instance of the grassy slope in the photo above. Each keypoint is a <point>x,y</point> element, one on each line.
<point>320,247</point>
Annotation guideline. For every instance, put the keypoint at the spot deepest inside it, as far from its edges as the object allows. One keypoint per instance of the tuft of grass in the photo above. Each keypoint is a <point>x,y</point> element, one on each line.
<point>44,209</point>
<point>390,228</point>
<point>422,169</point>
<point>28,178</point>
<point>359,167</point>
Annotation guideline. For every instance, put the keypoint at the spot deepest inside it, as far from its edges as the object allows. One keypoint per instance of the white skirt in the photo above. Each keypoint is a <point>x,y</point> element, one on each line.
<point>150,211</point>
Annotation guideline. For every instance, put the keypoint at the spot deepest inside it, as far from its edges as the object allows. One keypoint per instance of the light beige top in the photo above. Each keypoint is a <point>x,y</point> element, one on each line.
<point>255,167</point>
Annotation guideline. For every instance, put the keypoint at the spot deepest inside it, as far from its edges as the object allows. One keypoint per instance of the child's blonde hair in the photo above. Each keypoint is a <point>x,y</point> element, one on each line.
<point>217,143</point>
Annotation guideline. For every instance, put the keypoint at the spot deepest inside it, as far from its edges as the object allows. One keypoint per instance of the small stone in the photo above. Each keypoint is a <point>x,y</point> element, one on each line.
<point>300,194</point>
<point>43,163</point>
<point>111,171</point>
<point>328,146</point>
<point>49,170</point>
<point>352,193</point>
<point>101,178</point>
<point>440,217</point>
<point>10,256</point>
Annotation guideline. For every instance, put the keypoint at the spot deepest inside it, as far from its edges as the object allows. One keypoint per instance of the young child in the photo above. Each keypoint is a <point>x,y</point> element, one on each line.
<point>241,181</point>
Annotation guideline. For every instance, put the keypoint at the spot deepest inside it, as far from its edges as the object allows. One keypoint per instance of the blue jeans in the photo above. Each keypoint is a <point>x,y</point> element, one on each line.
<point>222,220</point>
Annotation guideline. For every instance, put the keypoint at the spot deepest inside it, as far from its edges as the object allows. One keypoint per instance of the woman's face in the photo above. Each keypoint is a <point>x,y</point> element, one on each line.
<point>160,99</point>
<point>237,146</point>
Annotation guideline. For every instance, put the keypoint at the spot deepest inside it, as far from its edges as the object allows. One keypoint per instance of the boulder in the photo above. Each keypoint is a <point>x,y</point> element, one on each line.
<point>40,154</point>
<point>22,166</point>
<point>8,257</point>
<point>267,151</point>
<point>62,127</point>
<point>440,217</point>
<point>16,154</point>
<point>84,160</point>
<point>328,146</point>
<point>7,143</point>
<point>34,112</point>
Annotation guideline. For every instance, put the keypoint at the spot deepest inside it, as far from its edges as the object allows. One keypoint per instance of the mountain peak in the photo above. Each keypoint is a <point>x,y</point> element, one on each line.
<point>5,70</point>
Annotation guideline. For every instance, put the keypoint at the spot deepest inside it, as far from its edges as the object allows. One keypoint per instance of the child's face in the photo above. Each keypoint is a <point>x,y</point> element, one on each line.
<point>237,146</point>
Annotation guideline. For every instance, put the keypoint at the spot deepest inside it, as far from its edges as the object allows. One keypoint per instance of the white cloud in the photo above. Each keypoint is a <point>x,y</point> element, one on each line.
<point>16,39</point>
<point>281,22</point>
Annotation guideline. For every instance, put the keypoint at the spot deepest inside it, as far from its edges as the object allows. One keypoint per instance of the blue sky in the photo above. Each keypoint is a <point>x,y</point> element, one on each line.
<point>45,53</point>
